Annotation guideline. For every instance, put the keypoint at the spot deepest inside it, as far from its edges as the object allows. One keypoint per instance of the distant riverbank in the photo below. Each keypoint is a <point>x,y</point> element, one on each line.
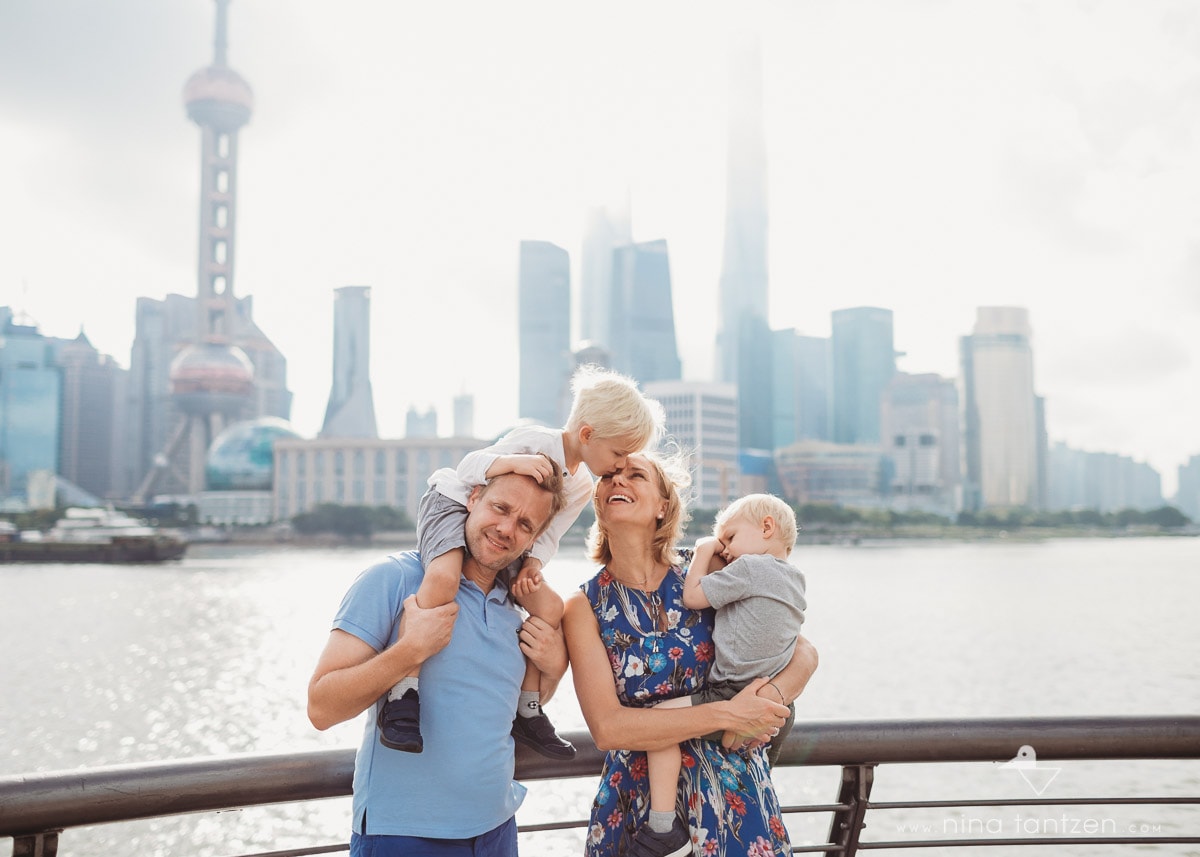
<point>812,535</point>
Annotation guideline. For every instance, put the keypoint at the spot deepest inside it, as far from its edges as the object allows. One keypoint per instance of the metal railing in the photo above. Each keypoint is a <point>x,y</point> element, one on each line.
<point>36,808</point>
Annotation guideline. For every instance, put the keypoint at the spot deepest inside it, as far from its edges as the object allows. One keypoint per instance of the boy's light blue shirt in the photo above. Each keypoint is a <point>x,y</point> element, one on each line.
<point>462,784</point>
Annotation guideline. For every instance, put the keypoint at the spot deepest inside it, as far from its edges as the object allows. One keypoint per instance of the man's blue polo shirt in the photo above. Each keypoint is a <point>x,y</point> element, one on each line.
<point>462,784</point>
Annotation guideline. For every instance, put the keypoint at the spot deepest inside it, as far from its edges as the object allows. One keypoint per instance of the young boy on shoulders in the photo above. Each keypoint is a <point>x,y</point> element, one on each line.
<point>609,419</point>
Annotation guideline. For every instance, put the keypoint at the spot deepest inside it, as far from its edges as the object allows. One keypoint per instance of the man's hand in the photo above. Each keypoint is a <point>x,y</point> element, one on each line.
<point>544,646</point>
<point>426,632</point>
<point>536,466</point>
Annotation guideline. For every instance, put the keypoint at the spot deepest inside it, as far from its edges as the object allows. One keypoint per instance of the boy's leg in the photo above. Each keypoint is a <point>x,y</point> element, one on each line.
<point>664,834</point>
<point>663,767</point>
<point>531,726</point>
<point>400,717</point>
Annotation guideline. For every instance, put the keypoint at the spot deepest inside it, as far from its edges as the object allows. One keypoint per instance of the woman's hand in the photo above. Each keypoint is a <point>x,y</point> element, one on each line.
<point>758,716</point>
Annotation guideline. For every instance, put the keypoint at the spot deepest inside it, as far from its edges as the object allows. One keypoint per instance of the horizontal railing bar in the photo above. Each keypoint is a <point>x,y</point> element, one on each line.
<point>1070,801</point>
<point>815,807</point>
<point>1065,840</point>
<point>31,803</point>
<point>552,825</point>
<point>991,740</point>
<point>303,852</point>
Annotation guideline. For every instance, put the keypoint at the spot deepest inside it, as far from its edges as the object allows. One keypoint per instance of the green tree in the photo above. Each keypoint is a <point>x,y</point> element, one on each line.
<point>346,521</point>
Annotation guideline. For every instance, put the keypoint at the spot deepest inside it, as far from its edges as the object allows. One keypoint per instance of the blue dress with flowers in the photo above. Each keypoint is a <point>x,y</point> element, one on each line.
<point>661,649</point>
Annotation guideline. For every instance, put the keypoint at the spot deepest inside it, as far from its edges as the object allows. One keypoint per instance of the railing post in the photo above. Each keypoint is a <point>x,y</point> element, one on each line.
<point>44,844</point>
<point>848,823</point>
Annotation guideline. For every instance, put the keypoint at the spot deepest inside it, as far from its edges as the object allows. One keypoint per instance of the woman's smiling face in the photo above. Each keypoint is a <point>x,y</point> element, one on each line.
<point>633,493</point>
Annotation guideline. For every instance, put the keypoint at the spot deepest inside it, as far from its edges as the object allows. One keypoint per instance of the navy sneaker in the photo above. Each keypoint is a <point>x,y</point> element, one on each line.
<point>676,842</point>
<point>400,723</point>
<point>538,732</point>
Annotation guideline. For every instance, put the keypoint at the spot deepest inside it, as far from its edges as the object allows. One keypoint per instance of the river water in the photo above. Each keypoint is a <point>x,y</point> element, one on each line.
<point>113,664</point>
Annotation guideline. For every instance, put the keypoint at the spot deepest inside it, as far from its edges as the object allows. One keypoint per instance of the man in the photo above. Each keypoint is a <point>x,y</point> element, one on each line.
<point>457,797</point>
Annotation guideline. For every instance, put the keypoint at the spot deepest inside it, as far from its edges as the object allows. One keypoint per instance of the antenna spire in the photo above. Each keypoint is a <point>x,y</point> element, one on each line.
<point>220,42</point>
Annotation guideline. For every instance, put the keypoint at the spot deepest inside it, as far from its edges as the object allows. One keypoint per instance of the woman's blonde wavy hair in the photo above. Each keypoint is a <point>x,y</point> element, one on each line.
<point>671,471</point>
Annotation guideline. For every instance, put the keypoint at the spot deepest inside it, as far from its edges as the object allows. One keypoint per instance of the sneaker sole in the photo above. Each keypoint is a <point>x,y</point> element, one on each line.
<point>545,751</point>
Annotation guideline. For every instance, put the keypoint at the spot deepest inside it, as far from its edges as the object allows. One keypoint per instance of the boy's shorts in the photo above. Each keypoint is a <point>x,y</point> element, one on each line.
<point>441,525</point>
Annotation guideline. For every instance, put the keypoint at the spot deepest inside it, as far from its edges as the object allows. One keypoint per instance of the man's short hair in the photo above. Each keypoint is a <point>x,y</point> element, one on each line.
<point>552,485</point>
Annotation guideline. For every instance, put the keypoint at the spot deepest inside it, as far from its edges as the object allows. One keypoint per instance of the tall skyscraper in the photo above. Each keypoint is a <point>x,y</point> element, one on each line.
<point>920,437</point>
<point>999,411</point>
<point>544,323</point>
<point>189,380</point>
<point>743,332</point>
<point>864,362</point>
<point>803,387</point>
<point>30,406</point>
<point>421,423</point>
<point>604,231</point>
<point>1187,497</point>
<point>701,417</point>
<point>464,415</point>
<point>643,342</point>
<point>92,410</point>
<point>351,408</point>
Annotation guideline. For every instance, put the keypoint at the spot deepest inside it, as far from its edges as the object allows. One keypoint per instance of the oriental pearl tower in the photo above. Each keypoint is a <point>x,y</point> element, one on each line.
<point>211,380</point>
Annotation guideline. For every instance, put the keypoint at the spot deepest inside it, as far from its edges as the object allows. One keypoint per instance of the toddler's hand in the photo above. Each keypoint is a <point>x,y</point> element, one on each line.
<point>529,579</point>
<point>536,466</point>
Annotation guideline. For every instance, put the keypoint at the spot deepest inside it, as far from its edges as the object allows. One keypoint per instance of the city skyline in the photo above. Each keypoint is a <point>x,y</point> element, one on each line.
<point>922,159</point>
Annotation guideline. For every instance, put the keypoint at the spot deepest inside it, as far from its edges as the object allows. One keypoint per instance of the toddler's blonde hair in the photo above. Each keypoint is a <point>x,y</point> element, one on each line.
<point>755,507</point>
<point>614,407</point>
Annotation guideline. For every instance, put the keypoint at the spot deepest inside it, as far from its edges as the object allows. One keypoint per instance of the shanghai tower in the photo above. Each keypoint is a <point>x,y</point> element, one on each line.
<point>743,333</point>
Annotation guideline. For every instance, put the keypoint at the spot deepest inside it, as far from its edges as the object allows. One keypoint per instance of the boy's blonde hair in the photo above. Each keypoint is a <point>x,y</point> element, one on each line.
<point>755,507</point>
<point>614,407</point>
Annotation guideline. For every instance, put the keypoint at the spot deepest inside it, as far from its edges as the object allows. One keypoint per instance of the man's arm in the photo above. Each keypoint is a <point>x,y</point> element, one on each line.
<point>706,559</point>
<point>350,675</point>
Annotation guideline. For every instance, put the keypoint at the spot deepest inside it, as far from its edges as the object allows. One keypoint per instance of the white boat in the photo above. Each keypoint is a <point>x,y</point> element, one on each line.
<point>97,526</point>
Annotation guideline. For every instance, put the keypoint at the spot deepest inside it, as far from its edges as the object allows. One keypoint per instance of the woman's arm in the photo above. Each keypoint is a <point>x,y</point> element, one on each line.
<point>618,727</point>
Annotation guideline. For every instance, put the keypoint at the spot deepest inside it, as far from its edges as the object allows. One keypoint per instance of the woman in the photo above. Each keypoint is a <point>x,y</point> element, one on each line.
<point>633,643</point>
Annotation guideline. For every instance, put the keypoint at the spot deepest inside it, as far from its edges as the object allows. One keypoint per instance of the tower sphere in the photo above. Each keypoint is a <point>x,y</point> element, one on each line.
<point>242,457</point>
<point>218,96</point>
<point>211,378</point>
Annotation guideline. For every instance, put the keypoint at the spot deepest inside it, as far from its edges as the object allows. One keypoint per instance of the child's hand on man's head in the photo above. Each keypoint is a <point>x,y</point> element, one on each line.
<point>536,466</point>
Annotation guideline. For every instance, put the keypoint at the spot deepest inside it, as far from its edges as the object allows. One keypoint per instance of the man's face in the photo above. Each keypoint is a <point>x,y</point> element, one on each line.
<point>504,518</point>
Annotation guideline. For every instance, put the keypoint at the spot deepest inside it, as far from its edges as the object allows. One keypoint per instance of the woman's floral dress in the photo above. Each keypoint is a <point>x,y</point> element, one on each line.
<point>661,649</point>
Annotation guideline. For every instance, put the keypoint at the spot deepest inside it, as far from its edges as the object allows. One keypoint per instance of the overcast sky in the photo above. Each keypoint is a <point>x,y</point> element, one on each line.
<point>929,157</point>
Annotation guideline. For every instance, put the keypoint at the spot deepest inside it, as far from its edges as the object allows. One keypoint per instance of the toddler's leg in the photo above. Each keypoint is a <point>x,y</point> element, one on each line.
<point>400,717</point>
<point>531,726</point>
<point>664,834</point>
